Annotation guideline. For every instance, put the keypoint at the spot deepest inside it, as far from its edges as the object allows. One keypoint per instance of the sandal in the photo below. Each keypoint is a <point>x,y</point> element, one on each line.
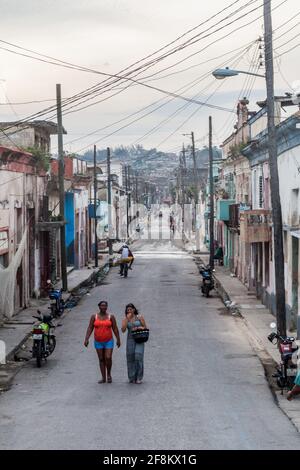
<point>109,380</point>
<point>102,381</point>
<point>138,381</point>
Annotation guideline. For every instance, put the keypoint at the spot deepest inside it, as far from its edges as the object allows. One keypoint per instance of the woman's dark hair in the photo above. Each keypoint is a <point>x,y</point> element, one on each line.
<point>133,307</point>
<point>103,302</point>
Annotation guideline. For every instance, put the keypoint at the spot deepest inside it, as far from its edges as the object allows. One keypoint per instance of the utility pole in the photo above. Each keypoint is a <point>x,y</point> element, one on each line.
<point>182,171</point>
<point>61,184</point>
<point>126,193</point>
<point>95,206</point>
<point>211,198</point>
<point>196,192</point>
<point>110,250</point>
<point>129,196</point>
<point>274,177</point>
<point>183,156</point>
<point>136,187</point>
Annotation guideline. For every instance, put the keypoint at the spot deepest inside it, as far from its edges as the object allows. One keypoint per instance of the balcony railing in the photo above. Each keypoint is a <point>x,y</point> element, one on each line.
<point>255,226</point>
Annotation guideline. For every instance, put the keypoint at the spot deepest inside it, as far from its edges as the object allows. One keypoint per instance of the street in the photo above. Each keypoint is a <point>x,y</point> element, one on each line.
<point>203,388</point>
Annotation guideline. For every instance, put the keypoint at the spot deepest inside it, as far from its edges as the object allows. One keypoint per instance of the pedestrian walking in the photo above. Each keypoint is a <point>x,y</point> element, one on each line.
<point>104,325</point>
<point>125,253</point>
<point>134,351</point>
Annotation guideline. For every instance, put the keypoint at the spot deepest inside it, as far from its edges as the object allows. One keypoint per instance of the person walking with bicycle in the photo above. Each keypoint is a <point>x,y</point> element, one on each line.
<point>125,253</point>
<point>104,325</point>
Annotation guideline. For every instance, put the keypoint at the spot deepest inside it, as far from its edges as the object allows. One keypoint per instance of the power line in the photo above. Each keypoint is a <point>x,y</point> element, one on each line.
<point>110,75</point>
<point>186,88</point>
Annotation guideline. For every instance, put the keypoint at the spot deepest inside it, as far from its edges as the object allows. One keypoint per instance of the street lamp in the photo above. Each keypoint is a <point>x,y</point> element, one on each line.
<point>273,165</point>
<point>220,74</point>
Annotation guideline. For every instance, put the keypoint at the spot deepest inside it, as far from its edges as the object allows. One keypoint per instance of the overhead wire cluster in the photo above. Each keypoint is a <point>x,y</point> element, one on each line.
<point>128,76</point>
<point>130,71</point>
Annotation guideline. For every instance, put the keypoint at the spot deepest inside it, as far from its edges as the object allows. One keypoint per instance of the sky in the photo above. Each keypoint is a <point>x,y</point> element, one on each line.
<point>110,35</point>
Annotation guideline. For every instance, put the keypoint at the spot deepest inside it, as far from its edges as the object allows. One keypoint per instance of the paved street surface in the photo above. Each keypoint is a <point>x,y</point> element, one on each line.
<point>203,387</point>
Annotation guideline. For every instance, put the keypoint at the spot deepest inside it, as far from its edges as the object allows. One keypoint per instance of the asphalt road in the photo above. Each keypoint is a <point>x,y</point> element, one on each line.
<point>203,388</point>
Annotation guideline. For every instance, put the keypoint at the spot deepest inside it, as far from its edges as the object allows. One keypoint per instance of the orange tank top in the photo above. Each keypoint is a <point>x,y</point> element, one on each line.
<point>102,329</point>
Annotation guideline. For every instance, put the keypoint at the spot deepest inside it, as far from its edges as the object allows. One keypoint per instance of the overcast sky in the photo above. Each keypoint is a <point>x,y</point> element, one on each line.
<point>109,35</point>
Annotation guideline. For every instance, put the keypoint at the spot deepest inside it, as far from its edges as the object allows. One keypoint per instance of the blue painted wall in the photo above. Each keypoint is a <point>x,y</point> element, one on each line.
<point>70,227</point>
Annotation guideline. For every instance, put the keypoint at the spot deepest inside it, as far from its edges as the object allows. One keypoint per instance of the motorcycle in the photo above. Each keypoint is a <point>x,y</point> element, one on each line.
<point>57,304</point>
<point>287,370</point>
<point>44,341</point>
<point>207,280</point>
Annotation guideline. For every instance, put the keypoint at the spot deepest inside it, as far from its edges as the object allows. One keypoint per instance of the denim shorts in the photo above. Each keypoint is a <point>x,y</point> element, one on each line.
<point>104,345</point>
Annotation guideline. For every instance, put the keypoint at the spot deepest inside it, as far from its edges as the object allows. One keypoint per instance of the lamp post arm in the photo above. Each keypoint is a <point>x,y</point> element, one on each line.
<point>250,73</point>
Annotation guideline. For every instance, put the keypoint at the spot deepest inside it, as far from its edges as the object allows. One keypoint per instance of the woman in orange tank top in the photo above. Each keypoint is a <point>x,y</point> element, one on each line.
<point>103,324</point>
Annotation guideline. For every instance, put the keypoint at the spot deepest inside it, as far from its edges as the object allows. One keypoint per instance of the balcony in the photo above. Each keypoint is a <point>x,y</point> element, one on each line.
<point>223,209</point>
<point>255,226</point>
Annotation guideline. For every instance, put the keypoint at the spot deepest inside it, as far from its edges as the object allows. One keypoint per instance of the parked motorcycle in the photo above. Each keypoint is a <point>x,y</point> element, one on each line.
<point>287,370</point>
<point>207,280</point>
<point>44,341</point>
<point>57,304</point>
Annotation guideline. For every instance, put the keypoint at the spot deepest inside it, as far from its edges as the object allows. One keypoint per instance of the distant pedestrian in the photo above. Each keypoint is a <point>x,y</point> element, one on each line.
<point>134,351</point>
<point>103,324</point>
<point>125,253</point>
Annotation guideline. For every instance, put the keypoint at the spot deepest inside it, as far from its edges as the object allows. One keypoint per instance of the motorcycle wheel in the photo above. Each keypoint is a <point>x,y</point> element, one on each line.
<point>207,291</point>
<point>53,310</point>
<point>38,352</point>
<point>52,344</point>
<point>281,382</point>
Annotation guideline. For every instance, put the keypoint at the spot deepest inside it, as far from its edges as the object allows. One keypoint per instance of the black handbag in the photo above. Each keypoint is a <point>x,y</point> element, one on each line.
<point>140,336</point>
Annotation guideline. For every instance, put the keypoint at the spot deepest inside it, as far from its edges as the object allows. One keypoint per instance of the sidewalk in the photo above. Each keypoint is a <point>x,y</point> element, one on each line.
<point>17,330</point>
<point>256,320</point>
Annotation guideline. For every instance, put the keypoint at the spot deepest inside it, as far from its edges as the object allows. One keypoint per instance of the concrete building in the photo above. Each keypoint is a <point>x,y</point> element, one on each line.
<point>30,134</point>
<point>22,187</point>
<point>262,260</point>
<point>77,184</point>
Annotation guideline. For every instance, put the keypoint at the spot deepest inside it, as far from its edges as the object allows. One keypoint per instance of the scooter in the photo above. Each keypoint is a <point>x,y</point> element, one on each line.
<point>207,280</point>
<point>287,370</point>
<point>44,341</point>
<point>57,304</point>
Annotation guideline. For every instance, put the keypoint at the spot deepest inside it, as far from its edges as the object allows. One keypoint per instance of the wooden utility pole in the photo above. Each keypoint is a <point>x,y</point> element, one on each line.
<point>136,187</point>
<point>95,206</point>
<point>274,177</point>
<point>126,193</point>
<point>61,184</point>
<point>110,250</point>
<point>211,198</point>
<point>196,192</point>
<point>129,196</point>
<point>182,159</point>
<point>183,156</point>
